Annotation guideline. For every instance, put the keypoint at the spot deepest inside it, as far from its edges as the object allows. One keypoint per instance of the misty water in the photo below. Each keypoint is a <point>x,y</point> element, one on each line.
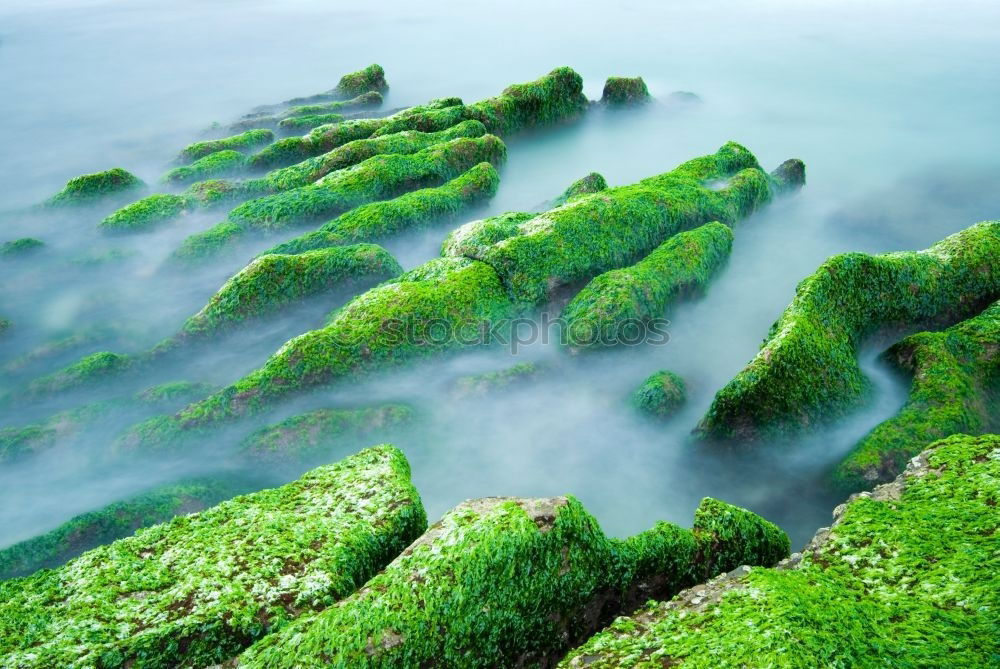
<point>892,105</point>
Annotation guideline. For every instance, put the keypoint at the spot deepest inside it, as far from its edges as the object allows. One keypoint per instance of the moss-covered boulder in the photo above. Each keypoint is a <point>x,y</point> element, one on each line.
<point>625,91</point>
<point>117,520</point>
<point>478,385</point>
<point>296,125</point>
<point>274,281</point>
<point>147,213</point>
<point>955,380</point>
<point>905,577</point>
<point>613,302</point>
<point>218,164</point>
<point>371,78</point>
<point>512,582</point>
<point>615,227</point>
<point>85,371</point>
<point>409,211</point>
<point>88,188</point>
<point>18,248</point>
<point>807,370</point>
<point>197,590</point>
<point>661,395</point>
<point>313,435</point>
<point>592,183</point>
<point>301,118</point>
<point>245,142</point>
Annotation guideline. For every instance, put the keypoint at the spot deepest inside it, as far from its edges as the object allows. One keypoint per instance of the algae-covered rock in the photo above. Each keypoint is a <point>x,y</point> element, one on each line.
<point>218,164</point>
<point>305,117</point>
<point>592,183</point>
<point>5,325</point>
<point>625,91</point>
<point>661,395</point>
<point>536,255</point>
<point>306,437</point>
<point>614,301</point>
<point>21,247</point>
<point>954,386</point>
<point>300,124</point>
<point>371,78</point>
<point>511,583</point>
<point>807,370</point>
<point>87,370</point>
<point>197,590</point>
<point>147,213</point>
<point>478,385</point>
<point>274,281</point>
<point>245,142</point>
<point>92,187</point>
<point>117,520</point>
<point>905,577</point>
<point>409,211</point>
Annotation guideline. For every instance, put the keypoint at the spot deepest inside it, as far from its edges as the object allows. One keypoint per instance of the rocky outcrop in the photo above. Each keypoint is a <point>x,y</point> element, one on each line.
<point>661,395</point>
<point>111,184</point>
<point>625,91</point>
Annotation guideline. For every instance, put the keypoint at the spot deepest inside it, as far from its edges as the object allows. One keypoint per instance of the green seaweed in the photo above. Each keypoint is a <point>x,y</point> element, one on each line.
<point>478,385</point>
<point>512,582</point>
<point>953,390</point>
<point>807,370</point>
<point>615,300</point>
<point>592,183</point>
<point>218,164</point>
<point>87,370</point>
<point>625,91</point>
<point>906,577</point>
<point>661,395</point>
<point>245,142</point>
<point>371,78</point>
<point>92,187</point>
<point>21,247</point>
<point>198,589</point>
<point>147,213</point>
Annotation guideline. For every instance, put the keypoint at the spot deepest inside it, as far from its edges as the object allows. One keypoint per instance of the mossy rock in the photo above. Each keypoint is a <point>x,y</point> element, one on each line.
<point>479,385</point>
<point>120,519</point>
<point>86,371</point>
<point>807,371</point>
<point>625,91</point>
<point>305,117</point>
<point>661,395</point>
<point>955,379</point>
<point>371,78</point>
<point>197,590</point>
<point>315,434</point>
<point>219,164</point>
<point>905,577</point>
<point>592,183</point>
<point>613,303</point>
<point>147,213</point>
<point>512,582</point>
<point>5,326</point>
<point>89,188</point>
<point>18,248</point>
<point>245,142</point>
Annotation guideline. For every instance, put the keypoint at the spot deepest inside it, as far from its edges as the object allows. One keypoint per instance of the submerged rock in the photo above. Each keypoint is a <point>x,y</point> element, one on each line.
<point>625,91</point>
<point>147,213</point>
<point>371,78</point>
<point>245,142</point>
<point>92,187</point>
<point>20,247</point>
<point>661,395</point>
<point>807,370</point>
<point>513,582</point>
<point>904,576</point>
<point>478,385</point>
<point>218,164</point>
<point>953,391</point>
<point>197,590</point>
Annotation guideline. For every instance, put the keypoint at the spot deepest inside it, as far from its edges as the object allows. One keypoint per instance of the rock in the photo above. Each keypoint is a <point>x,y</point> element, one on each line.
<point>661,395</point>
<point>625,91</point>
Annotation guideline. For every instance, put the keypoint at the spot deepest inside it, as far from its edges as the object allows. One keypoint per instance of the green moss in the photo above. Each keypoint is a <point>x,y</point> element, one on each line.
<point>505,582</point>
<point>198,589</point>
<point>20,247</point>
<point>807,370</point>
<point>173,393</point>
<point>661,395</point>
<point>245,142</point>
<point>615,227</point>
<point>592,183</point>
<point>92,187</point>
<point>100,258</point>
<point>305,117</point>
<point>371,78</point>
<point>5,325</point>
<point>18,442</point>
<point>301,124</point>
<point>613,301</point>
<point>315,435</point>
<point>112,522</point>
<point>625,91</point>
<point>409,211</point>
<point>363,101</point>
<point>210,242</point>
<point>218,164</point>
<point>478,385</point>
<point>380,177</point>
<point>147,213</point>
<point>87,370</point>
<point>274,281</point>
<point>906,577</point>
<point>953,390</point>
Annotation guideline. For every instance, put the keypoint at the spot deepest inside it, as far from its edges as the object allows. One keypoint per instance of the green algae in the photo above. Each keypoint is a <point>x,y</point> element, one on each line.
<point>147,213</point>
<point>87,188</point>
<point>314,435</point>
<point>563,246</point>
<point>21,247</point>
<point>371,78</point>
<point>682,265</point>
<point>807,370</point>
<point>478,385</point>
<point>120,519</point>
<point>84,372</point>
<point>305,117</point>
<point>218,164</point>
<point>954,383</point>
<point>301,124</point>
<point>661,395</point>
<point>625,91</point>
<point>198,589</point>
<point>245,142</point>
<point>511,582</point>
<point>905,577</point>
<point>410,211</point>
<point>363,101</point>
<point>592,183</point>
